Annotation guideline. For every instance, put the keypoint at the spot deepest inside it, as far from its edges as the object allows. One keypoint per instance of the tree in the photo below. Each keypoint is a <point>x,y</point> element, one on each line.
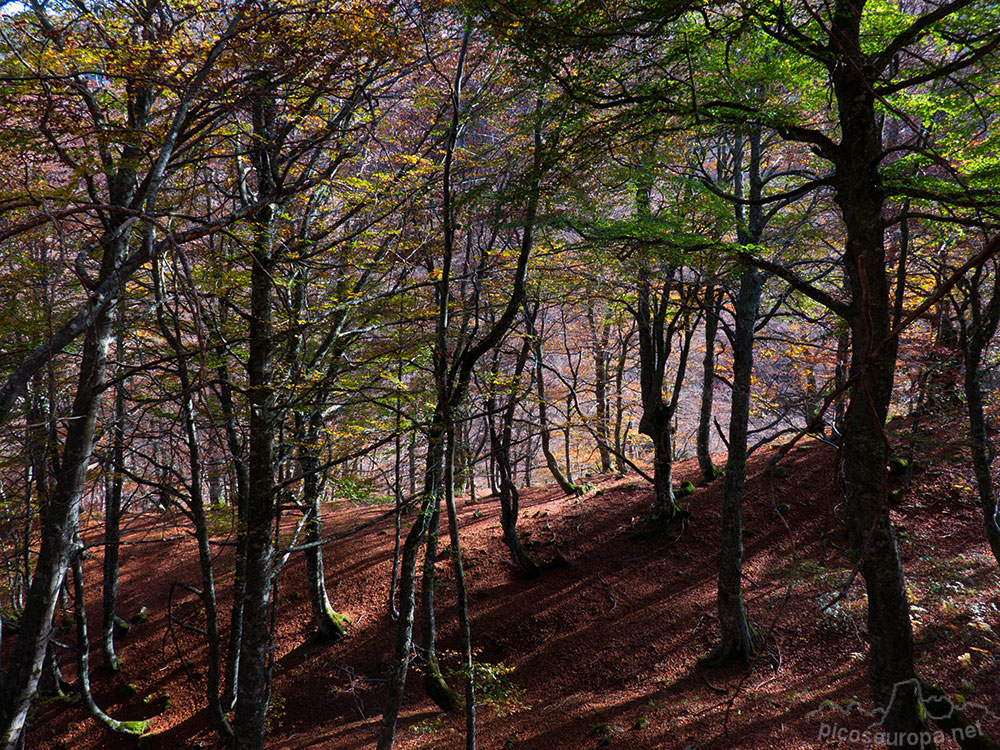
<point>458,346</point>
<point>867,64</point>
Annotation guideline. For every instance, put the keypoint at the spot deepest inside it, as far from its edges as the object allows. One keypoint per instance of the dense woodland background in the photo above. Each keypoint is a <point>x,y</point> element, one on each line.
<point>268,266</point>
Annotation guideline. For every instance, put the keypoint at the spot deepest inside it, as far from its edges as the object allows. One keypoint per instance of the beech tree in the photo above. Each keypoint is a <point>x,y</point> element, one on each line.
<point>868,66</point>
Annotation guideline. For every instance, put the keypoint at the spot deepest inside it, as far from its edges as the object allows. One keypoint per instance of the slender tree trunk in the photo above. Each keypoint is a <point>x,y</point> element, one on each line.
<point>703,449</point>
<point>735,641</point>
<point>330,625</point>
<point>411,462</point>
<point>500,441</point>
<point>397,491</point>
<point>112,515</point>
<point>134,728</point>
<point>241,553</point>
<point>620,438</point>
<point>427,520</point>
<point>840,380</point>
<point>529,458</point>
<point>599,339</point>
<point>452,374</point>
<point>462,595</point>
<point>565,484</point>
<point>980,446</point>
<point>404,627</point>
<point>196,511</point>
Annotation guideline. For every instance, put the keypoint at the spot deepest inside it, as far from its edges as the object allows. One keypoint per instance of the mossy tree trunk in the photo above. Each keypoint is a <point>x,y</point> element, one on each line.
<point>330,625</point>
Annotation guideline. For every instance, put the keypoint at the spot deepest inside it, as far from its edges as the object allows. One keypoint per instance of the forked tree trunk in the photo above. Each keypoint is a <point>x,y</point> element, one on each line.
<point>657,327</point>
<point>435,685</point>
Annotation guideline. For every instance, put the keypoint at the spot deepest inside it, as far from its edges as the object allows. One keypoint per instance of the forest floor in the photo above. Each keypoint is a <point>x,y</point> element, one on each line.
<point>600,653</point>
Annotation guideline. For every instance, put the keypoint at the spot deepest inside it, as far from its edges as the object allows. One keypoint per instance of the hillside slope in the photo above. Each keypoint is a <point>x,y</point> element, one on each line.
<point>599,653</point>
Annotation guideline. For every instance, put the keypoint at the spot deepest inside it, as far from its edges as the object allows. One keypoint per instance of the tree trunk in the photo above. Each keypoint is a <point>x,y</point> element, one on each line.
<point>500,442</point>
<point>665,506</point>
<point>330,625</point>
<point>134,728</point>
<point>980,446</point>
<point>242,504</point>
<point>404,626</point>
<point>112,516</point>
<point>435,686</point>
<point>735,641</point>
<point>713,305</point>
<point>254,681</point>
<point>599,339</point>
<point>196,510</point>
<point>551,462</point>
<point>461,593</point>
<point>620,437</point>
<point>858,193</point>
<point>655,344</point>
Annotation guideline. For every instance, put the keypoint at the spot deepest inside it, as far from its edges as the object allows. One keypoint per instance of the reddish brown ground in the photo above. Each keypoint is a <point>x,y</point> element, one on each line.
<point>604,650</point>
